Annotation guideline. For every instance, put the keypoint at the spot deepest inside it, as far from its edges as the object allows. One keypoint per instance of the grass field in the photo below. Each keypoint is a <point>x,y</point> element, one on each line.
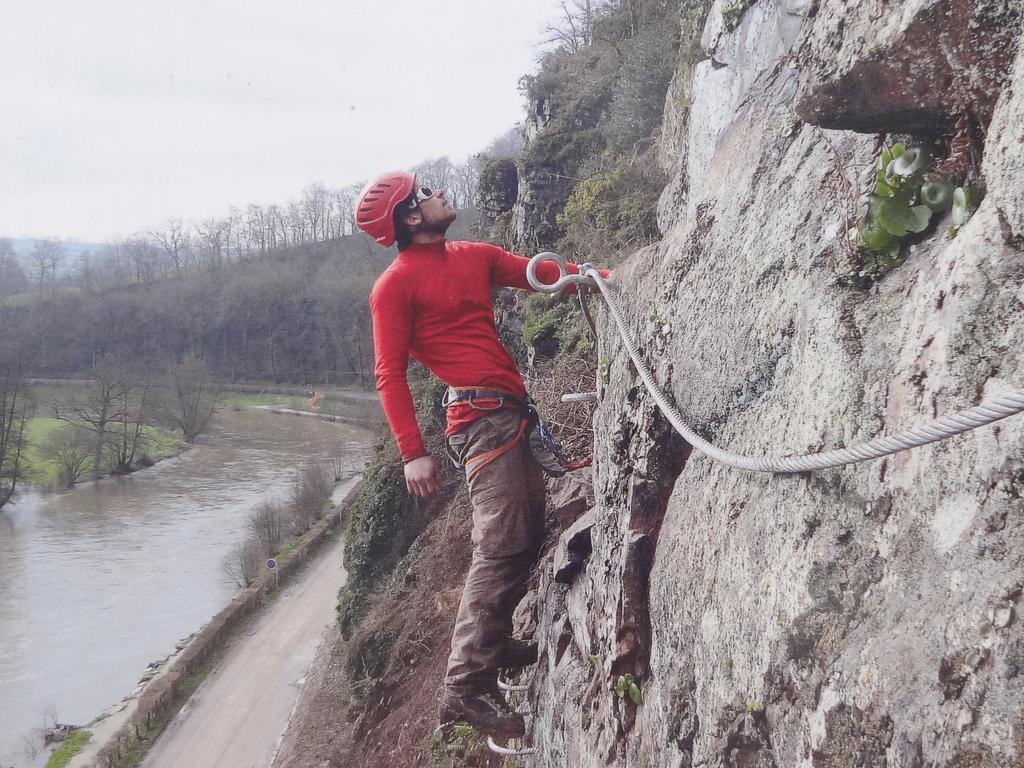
<point>160,443</point>
<point>42,471</point>
<point>252,400</point>
<point>70,747</point>
<point>239,400</point>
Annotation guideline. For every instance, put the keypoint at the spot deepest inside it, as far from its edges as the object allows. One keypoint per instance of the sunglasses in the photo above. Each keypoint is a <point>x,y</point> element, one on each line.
<point>418,195</point>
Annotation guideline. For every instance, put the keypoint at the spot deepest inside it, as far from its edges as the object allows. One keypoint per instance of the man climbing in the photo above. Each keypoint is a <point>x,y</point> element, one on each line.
<point>434,303</point>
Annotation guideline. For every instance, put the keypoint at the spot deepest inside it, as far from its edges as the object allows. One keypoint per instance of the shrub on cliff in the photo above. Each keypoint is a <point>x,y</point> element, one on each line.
<point>497,186</point>
<point>597,105</point>
<point>613,212</point>
<point>638,97</point>
<point>555,326</point>
<point>385,520</point>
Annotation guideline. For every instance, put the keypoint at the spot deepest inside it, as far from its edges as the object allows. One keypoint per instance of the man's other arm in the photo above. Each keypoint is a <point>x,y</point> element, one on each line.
<point>391,309</point>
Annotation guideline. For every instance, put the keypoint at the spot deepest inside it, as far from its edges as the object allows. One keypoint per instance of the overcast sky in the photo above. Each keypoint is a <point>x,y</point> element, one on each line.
<point>120,114</point>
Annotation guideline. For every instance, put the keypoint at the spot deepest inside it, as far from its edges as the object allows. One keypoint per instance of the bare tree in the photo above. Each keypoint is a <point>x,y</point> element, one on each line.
<point>574,26</point>
<point>244,563</point>
<point>267,526</point>
<point>343,210</point>
<point>113,266</point>
<point>298,225</point>
<point>434,173</point>
<point>277,227</point>
<point>47,256</point>
<point>310,491</point>
<point>234,234</point>
<point>98,411</point>
<point>13,415</point>
<point>257,235</point>
<point>12,276</point>
<point>126,439</point>
<point>144,258</point>
<point>463,182</point>
<point>85,272</point>
<point>314,209</point>
<point>195,397</point>
<point>173,239</point>
<point>70,448</point>
<point>343,466</point>
<point>212,237</point>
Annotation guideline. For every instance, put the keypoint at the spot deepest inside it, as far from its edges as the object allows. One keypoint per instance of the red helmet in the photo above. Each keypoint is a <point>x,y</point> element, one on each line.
<point>375,208</point>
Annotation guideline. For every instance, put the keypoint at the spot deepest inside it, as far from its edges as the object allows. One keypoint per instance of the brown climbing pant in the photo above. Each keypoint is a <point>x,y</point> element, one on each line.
<point>507,495</point>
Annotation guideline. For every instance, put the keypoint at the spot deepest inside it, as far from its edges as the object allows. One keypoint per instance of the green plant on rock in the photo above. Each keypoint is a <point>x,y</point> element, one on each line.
<point>370,659</point>
<point>612,212</point>
<point>555,326</point>
<point>70,747</point>
<point>899,196</point>
<point>660,327</point>
<point>456,746</point>
<point>383,523</point>
<point>966,200</point>
<point>626,686</point>
<point>733,11</point>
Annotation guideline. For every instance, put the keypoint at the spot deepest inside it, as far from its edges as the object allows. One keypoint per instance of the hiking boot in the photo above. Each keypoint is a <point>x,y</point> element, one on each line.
<point>518,653</point>
<point>488,712</point>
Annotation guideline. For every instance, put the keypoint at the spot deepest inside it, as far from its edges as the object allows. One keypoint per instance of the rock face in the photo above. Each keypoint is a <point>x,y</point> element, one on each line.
<point>860,616</point>
<point>906,66</point>
<point>540,193</point>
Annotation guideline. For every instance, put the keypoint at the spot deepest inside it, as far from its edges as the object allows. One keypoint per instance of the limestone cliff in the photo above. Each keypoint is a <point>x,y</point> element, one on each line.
<point>860,616</point>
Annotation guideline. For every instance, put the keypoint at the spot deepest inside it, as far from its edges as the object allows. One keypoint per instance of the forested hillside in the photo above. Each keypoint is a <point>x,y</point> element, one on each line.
<point>289,306</point>
<point>296,315</point>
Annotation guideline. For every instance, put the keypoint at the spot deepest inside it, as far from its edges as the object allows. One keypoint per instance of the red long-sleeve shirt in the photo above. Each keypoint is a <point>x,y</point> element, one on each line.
<point>433,303</point>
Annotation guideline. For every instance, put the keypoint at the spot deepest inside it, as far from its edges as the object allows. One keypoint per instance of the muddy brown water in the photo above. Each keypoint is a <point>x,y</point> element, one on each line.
<point>101,580</point>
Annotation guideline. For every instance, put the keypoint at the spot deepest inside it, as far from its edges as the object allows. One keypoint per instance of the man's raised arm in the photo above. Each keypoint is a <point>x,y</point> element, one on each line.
<point>509,270</point>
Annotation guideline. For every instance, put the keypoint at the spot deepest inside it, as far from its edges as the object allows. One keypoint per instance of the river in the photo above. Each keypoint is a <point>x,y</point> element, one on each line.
<point>99,581</point>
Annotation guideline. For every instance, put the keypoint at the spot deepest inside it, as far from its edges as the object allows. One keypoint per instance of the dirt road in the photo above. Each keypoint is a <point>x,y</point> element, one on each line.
<point>237,717</point>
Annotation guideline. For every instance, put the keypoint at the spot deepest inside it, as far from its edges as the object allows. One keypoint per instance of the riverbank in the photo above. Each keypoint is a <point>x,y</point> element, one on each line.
<point>82,566</point>
<point>123,735</point>
<point>43,472</point>
<point>351,406</point>
<point>355,407</point>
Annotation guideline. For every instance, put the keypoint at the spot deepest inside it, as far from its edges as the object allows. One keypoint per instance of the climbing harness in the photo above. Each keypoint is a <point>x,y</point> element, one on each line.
<point>477,463</point>
<point>1000,407</point>
<point>541,441</point>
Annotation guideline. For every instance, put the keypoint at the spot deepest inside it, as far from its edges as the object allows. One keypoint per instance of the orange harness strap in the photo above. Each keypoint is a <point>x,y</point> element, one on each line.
<point>477,463</point>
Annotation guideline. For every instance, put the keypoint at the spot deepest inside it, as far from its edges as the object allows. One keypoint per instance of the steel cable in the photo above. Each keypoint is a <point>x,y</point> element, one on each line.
<point>1004,405</point>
